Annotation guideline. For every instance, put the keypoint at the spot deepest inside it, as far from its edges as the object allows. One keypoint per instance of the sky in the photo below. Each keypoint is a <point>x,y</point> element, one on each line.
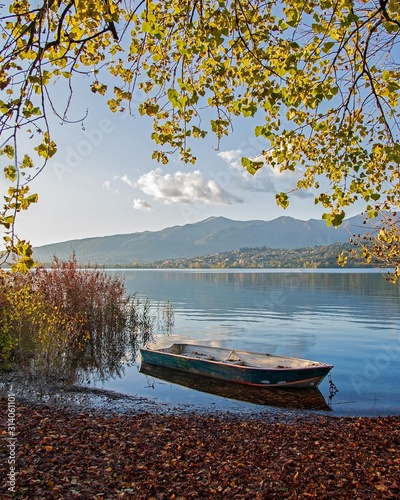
<point>103,181</point>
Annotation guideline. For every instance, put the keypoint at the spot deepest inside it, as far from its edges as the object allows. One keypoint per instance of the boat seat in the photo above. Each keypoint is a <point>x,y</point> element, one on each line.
<point>234,359</point>
<point>238,362</point>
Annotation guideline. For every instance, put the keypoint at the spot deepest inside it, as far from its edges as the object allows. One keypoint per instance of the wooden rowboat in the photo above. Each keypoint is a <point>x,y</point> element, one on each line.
<point>243,367</point>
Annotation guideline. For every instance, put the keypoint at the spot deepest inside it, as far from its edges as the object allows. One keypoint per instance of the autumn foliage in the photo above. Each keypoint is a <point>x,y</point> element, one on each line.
<point>65,320</point>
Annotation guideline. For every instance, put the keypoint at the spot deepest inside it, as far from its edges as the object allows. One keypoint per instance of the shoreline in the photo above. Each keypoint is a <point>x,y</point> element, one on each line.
<point>53,392</point>
<point>39,392</point>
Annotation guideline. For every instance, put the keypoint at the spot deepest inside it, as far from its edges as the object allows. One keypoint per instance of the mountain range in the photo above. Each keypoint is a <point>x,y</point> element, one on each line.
<point>212,235</point>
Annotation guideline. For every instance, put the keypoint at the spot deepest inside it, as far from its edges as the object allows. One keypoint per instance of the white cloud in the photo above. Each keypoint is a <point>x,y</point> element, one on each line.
<point>183,187</point>
<point>267,179</point>
<point>262,181</point>
<point>107,185</point>
<point>126,180</point>
<point>302,194</point>
<point>139,204</point>
<point>233,158</point>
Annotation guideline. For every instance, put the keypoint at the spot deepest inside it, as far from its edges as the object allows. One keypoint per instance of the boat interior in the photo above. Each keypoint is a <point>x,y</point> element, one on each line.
<point>238,357</point>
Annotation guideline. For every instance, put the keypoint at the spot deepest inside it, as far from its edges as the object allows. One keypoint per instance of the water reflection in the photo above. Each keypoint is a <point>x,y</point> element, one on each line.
<point>106,351</point>
<point>299,399</point>
<point>284,296</point>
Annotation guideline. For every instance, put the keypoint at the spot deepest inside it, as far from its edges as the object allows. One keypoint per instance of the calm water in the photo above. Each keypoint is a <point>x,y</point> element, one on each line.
<point>350,320</point>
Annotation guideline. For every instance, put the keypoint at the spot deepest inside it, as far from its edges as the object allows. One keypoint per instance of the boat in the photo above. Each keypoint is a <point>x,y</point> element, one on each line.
<point>243,367</point>
<point>288,398</point>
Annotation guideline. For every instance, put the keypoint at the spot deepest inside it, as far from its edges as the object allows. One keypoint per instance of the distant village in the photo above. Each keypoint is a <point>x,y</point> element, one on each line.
<point>264,258</point>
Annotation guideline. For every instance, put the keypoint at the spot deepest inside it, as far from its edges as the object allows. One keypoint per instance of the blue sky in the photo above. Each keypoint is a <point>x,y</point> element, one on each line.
<point>102,181</point>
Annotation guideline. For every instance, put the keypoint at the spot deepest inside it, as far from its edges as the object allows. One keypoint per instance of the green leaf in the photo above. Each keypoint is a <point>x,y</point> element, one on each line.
<point>327,47</point>
<point>47,148</point>
<point>249,110</point>
<point>8,150</point>
<point>391,27</point>
<point>252,166</point>
<point>10,172</point>
<point>282,199</point>
<point>113,105</point>
<point>32,198</point>
<point>8,221</point>
<point>173,96</point>
<point>3,107</point>
<point>338,219</point>
<point>318,28</point>
<point>97,87</point>
<point>147,27</point>
<point>393,86</point>
<point>334,219</point>
<point>27,162</point>
<point>259,130</point>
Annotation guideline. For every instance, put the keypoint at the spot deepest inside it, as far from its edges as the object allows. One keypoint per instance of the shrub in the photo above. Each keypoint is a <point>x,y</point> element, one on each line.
<point>69,322</point>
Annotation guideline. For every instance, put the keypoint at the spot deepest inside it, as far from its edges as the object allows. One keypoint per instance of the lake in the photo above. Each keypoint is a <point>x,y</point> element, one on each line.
<point>350,319</point>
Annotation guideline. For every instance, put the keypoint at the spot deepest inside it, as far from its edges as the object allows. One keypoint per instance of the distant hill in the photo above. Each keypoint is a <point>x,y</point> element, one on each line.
<point>215,234</point>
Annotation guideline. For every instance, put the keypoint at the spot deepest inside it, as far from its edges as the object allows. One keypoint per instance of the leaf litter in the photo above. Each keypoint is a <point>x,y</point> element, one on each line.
<point>63,454</point>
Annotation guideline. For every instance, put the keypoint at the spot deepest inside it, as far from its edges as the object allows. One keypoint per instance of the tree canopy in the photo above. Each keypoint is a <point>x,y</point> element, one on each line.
<point>319,78</point>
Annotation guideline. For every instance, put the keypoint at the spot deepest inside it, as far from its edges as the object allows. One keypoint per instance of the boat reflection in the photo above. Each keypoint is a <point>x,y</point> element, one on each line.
<point>300,399</point>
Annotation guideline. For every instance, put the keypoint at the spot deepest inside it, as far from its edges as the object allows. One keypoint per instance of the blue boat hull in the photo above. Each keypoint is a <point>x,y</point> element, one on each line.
<point>301,377</point>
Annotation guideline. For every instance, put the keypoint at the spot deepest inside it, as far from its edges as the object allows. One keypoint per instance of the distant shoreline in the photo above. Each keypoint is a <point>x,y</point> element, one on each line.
<point>323,257</point>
